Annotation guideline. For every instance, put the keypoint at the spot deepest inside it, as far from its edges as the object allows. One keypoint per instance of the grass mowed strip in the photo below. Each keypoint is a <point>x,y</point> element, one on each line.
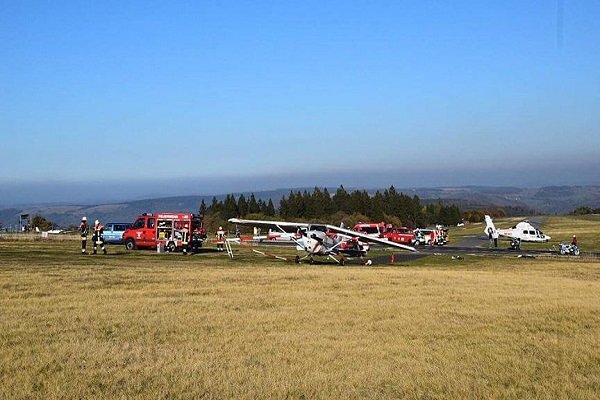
<point>166,326</point>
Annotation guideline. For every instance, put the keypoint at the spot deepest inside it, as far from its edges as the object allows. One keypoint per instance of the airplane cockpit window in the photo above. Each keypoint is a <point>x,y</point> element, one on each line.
<point>321,228</point>
<point>532,232</point>
<point>524,232</point>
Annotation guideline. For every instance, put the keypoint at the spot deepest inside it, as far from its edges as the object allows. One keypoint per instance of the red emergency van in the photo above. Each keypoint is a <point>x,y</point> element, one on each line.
<point>175,231</point>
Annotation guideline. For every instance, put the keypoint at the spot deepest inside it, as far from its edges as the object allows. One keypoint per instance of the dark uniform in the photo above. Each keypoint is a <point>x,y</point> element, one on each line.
<point>84,229</point>
<point>98,237</point>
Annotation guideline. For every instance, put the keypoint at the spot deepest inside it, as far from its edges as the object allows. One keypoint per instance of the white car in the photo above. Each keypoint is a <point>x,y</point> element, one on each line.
<point>422,236</point>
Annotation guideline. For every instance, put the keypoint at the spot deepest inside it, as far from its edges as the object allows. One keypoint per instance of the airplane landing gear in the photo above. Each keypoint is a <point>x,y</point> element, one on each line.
<point>297,260</point>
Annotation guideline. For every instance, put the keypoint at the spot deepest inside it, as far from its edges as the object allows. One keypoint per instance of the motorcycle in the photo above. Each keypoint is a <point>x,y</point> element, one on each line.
<point>568,249</point>
<point>515,244</point>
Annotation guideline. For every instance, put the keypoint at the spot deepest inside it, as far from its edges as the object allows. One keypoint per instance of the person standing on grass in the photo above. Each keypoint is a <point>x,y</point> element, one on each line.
<point>220,238</point>
<point>98,237</point>
<point>84,229</point>
<point>491,237</point>
<point>495,236</point>
<point>574,241</point>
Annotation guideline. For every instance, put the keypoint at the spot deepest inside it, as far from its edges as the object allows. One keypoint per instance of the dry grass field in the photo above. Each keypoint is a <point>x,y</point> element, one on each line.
<point>142,325</point>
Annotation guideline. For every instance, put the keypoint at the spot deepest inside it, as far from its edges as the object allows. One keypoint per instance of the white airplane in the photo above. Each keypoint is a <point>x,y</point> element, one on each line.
<point>324,240</point>
<point>523,231</point>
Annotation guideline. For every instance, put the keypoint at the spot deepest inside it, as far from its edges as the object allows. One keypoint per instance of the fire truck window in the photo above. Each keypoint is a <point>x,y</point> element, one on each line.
<point>370,229</point>
<point>138,224</point>
<point>150,222</point>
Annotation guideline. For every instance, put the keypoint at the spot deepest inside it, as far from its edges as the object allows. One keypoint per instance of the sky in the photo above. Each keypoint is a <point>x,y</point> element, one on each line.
<point>141,98</point>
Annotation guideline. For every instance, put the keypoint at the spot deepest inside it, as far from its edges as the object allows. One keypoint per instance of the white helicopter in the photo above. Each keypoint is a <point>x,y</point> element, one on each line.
<point>523,231</point>
<point>325,240</point>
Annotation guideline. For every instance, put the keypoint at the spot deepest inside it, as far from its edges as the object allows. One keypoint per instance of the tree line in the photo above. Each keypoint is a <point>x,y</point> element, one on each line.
<point>320,205</point>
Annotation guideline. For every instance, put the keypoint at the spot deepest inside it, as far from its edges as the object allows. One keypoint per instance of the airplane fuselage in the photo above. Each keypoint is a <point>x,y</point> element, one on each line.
<point>319,243</point>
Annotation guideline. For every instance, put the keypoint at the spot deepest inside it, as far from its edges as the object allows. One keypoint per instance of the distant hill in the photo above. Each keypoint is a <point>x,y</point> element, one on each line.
<point>545,200</point>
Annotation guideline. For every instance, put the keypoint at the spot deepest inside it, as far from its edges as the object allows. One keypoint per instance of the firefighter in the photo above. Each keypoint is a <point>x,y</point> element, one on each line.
<point>220,238</point>
<point>184,241</point>
<point>98,237</point>
<point>84,229</point>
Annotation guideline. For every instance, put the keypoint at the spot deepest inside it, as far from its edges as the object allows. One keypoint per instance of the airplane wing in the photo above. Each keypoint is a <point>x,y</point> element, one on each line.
<point>272,224</point>
<point>280,224</point>
<point>368,238</point>
<point>268,224</point>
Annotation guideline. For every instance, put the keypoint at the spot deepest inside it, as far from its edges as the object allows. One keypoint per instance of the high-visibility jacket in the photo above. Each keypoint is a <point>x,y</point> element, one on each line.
<point>99,230</point>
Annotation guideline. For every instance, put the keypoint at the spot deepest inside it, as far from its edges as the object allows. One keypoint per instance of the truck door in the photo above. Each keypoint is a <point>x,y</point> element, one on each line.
<point>149,235</point>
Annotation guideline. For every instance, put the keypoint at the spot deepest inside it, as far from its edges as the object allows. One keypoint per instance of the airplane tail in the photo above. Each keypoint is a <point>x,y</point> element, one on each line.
<point>489,224</point>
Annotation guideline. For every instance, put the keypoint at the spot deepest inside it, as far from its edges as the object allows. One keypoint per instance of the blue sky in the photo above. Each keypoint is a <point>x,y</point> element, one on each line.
<point>136,91</point>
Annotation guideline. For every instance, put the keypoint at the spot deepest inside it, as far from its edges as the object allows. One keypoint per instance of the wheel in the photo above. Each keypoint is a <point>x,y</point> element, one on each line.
<point>562,252</point>
<point>130,244</point>
<point>171,247</point>
<point>416,243</point>
<point>342,262</point>
<point>297,260</point>
<point>576,252</point>
<point>311,261</point>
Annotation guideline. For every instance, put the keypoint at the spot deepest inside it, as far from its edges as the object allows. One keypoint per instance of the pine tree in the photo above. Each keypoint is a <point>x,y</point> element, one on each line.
<point>270,211</point>
<point>214,205</point>
<point>230,209</point>
<point>341,201</point>
<point>253,207</point>
<point>202,209</point>
<point>242,206</point>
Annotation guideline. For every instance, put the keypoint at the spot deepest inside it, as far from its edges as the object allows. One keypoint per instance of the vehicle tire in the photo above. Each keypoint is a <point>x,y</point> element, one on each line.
<point>416,243</point>
<point>562,252</point>
<point>311,261</point>
<point>576,252</point>
<point>297,260</point>
<point>342,262</point>
<point>171,247</point>
<point>130,244</point>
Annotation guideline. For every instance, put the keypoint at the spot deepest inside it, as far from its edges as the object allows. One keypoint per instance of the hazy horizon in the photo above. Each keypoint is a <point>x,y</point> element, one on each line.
<point>20,193</point>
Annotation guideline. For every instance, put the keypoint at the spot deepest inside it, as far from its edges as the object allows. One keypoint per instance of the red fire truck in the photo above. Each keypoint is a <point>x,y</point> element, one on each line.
<point>172,231</point>
<point>401,235</point>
